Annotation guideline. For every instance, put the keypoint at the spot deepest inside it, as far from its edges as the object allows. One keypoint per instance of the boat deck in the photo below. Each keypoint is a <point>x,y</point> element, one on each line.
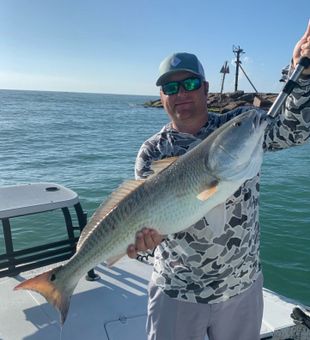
<point>112,308</point>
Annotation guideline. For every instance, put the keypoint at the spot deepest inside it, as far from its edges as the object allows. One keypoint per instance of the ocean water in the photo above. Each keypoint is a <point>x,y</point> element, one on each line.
<point>88,142</point>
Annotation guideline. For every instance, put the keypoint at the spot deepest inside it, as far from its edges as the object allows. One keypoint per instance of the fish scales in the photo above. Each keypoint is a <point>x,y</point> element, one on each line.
<point>174,191</point>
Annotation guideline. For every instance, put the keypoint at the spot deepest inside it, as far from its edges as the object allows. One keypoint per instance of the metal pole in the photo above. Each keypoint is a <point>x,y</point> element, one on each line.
<point>237,72</point>
<point>237,51</point>
<point>222,85</point>
<point>224,70</point>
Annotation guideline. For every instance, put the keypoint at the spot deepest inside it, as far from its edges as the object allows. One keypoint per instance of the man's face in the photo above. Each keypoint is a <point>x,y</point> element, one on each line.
<point>186,108</point>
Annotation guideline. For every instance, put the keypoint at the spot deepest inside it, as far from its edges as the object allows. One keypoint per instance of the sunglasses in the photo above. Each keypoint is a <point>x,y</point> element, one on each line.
<point>189,84</point>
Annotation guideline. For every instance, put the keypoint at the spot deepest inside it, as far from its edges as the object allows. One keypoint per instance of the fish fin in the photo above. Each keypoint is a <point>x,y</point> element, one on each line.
<point>108,205</point>
<point>49,287</point>
<point>207,193</point>
<point>112,260</point>
<point>116,197</point>
<point>162,164</point>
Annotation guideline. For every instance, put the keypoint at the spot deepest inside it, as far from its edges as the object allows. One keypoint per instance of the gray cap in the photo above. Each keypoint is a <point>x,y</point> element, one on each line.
<point>179,62</point>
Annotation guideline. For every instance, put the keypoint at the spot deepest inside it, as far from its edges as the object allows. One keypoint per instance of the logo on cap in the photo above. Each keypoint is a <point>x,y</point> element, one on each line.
<point>175,61</point>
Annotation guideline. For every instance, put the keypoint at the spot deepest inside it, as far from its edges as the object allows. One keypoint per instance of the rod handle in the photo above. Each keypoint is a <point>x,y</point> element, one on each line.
<point>304,62</point>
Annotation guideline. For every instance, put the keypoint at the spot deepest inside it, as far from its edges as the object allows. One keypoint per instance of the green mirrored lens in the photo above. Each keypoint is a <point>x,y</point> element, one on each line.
<point>191,84</point>
<point>171,88</point>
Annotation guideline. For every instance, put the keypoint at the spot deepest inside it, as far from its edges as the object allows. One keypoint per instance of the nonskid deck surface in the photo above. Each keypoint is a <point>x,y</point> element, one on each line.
<point>112,308</point>
<point>107,306</point>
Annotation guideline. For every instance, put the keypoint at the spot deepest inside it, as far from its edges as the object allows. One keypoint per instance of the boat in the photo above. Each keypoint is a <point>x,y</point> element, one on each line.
<point>110,303</point>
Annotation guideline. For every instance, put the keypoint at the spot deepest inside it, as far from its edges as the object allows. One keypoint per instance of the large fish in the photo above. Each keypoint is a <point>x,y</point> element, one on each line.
<point>179,193</point>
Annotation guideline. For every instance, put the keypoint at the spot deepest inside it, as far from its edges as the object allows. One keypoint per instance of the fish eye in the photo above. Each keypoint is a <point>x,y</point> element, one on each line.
<point>237,124</point>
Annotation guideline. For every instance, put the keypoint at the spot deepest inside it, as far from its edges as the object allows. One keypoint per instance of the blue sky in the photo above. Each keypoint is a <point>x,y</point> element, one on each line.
<point>116,46</point>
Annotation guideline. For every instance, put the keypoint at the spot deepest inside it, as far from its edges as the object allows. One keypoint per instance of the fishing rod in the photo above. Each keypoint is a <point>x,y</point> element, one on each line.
<point>303,63</point>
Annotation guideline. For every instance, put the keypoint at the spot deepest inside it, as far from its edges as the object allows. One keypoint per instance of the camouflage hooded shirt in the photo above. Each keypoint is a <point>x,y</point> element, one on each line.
<point>218,257</point>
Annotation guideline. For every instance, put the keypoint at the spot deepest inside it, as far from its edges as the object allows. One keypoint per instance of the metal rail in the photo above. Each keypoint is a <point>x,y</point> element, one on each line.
<point>12,262</point>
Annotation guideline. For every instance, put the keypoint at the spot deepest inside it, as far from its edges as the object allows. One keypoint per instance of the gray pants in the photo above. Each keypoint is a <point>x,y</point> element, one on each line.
<point>239,318</point>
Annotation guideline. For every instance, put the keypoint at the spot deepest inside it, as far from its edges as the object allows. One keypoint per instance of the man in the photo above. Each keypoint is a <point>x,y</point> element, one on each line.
<point>204,282</point>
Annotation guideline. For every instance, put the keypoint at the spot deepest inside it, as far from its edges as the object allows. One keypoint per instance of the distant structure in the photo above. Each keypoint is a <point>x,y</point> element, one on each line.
<point>238,51</point>
<point>224,70</point>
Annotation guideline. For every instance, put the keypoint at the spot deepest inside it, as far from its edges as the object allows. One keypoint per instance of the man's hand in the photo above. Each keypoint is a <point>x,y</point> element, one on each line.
<point>302,49</point>
<point>146,239</point>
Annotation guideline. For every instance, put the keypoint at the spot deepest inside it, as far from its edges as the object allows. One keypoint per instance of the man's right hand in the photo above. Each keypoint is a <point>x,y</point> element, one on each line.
<point>146,239</point>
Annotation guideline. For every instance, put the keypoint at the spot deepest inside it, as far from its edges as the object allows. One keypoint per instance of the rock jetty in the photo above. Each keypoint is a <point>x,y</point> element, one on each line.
<point>229,101</point>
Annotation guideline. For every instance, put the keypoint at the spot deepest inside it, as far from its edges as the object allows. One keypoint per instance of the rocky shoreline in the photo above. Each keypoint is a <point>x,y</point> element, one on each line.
<point>229,101</point>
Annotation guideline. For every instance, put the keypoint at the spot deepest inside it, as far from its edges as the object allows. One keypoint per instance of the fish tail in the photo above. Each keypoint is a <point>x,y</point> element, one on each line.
<point>52,287</point>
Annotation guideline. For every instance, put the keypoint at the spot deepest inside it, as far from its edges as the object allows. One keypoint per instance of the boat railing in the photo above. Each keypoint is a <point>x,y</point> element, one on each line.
<point>35,198</point>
